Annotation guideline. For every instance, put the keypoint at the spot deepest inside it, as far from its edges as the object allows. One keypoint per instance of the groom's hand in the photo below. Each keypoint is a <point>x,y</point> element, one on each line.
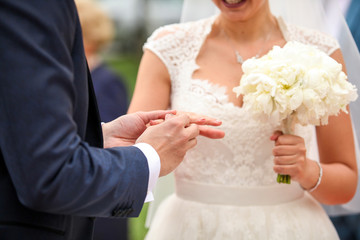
<point>125,130</point>
<point>170,133</point>
<point>171,139</point>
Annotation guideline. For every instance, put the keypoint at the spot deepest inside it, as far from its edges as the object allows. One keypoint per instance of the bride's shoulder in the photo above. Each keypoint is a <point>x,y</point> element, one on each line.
<point>323,41</point>
<point>178,41</point>
<point>180,31</point>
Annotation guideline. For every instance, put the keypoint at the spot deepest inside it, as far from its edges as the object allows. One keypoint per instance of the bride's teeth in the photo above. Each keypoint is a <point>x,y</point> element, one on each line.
<point>233,1</point>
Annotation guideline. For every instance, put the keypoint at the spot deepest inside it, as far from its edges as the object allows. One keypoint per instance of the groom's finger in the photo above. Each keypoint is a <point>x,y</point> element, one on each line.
<point>184,119</point>
<point>192,130</point>
<point>169,116</point>
<point>155,115</point>
<point>191,143</point>
<point>201,119</point>
<point>156,122</point>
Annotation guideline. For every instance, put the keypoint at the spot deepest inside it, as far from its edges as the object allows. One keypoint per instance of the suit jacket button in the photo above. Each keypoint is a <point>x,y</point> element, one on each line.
<point>126,212</point>
<point>130,210</point>
<point>116,212</point>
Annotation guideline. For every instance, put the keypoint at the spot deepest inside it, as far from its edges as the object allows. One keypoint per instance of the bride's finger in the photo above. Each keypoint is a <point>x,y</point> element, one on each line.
<point>287,150</point>
<point>275,135</point>
<point>211,132</point>
<point>207,121</point>
<point>284,169</point>
<point>289,140</point>
<point>285,160</point>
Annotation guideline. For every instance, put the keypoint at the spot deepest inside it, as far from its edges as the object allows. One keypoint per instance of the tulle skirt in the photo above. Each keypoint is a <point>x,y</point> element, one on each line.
<point>179,218</point>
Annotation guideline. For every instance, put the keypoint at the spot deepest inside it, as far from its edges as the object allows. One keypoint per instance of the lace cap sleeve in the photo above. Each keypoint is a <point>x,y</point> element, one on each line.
<point>168,43</point>
<point>161,42</point>
<point>323,41</point>
<point>176,44</point>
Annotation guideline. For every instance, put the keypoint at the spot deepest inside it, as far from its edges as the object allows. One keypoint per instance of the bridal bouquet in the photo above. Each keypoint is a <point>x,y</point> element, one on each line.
<point>296,84</point>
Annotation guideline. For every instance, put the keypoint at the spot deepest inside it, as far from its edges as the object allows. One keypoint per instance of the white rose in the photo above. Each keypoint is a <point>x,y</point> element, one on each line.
<point>297,80</point>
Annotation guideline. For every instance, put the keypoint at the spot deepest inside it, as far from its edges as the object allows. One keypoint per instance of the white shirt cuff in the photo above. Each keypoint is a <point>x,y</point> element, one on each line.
<point>153,160</point>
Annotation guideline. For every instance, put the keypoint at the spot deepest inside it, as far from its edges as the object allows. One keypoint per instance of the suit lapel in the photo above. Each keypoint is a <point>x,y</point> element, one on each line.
<point>93,129</point>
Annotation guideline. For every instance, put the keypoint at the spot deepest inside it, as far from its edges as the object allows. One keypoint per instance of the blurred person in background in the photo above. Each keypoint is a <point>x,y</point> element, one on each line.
<point>111,94</point>
<point>98,33</point>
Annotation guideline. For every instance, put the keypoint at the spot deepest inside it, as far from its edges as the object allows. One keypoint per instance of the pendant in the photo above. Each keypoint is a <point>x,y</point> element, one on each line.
<point>239,58</point>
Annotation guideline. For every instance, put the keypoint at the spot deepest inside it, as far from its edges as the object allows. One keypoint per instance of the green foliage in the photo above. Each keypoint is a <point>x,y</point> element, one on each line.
<point>137,230</point>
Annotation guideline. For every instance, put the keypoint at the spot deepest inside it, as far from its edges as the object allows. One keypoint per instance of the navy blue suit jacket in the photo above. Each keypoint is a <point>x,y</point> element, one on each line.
<point>54,175</point>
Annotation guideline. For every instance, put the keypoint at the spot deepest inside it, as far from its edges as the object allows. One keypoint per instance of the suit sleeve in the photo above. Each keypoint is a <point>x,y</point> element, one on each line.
<point>43,114</point>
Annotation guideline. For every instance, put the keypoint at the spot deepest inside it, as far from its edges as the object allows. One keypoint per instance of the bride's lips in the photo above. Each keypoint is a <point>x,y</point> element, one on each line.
<point>233,3</point>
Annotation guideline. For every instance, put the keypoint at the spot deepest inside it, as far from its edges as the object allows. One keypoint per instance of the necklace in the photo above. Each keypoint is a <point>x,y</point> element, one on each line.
<point>238,56</point>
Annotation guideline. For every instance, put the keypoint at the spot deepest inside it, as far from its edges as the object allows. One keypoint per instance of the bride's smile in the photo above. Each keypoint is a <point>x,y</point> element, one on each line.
<point>233,3</point>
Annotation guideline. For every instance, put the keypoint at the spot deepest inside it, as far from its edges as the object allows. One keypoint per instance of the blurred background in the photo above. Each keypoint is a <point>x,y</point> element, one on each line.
<point>114,32</point>
<point>134,21</point>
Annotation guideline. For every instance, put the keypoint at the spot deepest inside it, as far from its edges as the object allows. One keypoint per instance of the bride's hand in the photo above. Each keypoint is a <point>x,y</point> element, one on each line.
<point>290,159</point>
<point>203,121</point>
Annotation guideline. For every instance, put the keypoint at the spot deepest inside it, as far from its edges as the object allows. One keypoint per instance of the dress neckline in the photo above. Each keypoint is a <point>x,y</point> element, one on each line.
<point>217,87</point>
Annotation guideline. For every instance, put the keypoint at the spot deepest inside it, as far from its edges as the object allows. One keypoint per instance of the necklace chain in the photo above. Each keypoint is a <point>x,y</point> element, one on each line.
<point>238,56</point>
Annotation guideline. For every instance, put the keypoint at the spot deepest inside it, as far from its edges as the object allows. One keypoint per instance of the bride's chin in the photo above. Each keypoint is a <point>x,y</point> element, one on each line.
<point>233,3</point>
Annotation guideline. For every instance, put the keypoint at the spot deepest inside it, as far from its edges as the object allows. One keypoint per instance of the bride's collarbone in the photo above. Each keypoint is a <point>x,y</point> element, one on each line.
<point>219,71</point>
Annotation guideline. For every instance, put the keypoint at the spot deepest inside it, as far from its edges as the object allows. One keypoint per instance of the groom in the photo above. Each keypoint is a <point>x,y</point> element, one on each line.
<point>54,175</point>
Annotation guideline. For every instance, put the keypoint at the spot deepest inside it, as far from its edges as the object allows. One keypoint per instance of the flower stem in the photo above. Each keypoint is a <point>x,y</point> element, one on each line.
<point>287,129</point>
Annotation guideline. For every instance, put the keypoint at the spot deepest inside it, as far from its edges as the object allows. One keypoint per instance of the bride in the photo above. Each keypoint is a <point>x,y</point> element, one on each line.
<point>227,189</point>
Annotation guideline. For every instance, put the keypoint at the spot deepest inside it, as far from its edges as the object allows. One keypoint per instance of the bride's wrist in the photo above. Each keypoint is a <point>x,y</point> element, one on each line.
<point>313,179</point>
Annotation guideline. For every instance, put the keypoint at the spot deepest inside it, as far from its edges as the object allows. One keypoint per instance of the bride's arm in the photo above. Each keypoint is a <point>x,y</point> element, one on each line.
<point>337,156</point>
<point>152,89</point>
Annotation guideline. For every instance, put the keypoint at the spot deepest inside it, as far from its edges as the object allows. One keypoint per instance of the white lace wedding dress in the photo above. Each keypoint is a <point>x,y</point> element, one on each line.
<point>226,189</point>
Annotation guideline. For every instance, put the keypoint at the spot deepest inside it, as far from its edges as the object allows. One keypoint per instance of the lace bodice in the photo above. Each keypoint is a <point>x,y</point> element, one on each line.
<point>244,156</point>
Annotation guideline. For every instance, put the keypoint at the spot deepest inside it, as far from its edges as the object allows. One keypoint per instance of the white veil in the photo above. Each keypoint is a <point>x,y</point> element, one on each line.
<point>306,13</point>
<point>313,14</point>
